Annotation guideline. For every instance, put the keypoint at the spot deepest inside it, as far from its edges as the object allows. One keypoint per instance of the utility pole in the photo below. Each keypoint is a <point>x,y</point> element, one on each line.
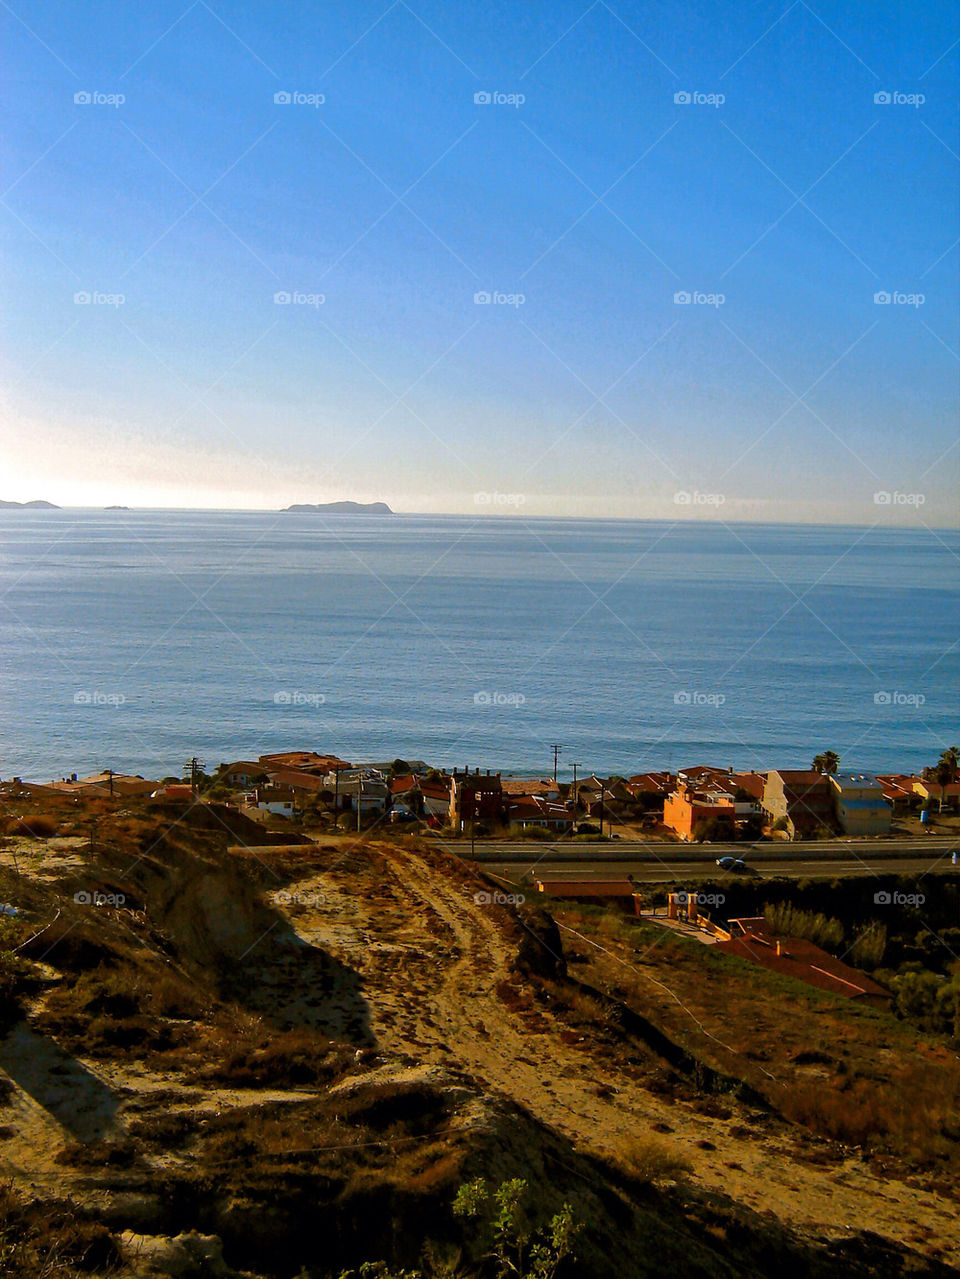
<point>109,772</point>
<point>196,768</point>
<point>359,799</point>
<point>575,767</point>
<point>336,787</point>
<point>556,748</point>
<point>601,809</point>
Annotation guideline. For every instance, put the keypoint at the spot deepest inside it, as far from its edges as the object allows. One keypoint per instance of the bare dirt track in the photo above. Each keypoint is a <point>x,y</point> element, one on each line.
<point>384,950</point>
<point>435,990</point>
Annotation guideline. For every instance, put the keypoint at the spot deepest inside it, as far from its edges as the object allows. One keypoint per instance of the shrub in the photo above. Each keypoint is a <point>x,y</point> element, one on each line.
<point>34,827</point>
<point>788,921</point>
<point>650,1160</point>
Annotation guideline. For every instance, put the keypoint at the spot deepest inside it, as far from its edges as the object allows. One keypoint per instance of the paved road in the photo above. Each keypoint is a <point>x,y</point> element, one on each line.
<point>930,847</point>
<point>659,862</point>
<point>645,872</point>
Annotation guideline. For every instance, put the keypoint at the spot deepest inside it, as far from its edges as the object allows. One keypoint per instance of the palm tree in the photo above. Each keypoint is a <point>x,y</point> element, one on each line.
<point>827,762</point>
<point>944,771</point>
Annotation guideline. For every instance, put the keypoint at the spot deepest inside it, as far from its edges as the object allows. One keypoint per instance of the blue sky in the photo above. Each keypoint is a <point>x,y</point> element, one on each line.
<point>597,199</point>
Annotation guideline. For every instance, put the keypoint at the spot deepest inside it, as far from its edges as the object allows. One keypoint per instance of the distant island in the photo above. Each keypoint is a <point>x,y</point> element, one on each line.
<point>116,508</point>
<point>340,508</point>
<point>29,506</point>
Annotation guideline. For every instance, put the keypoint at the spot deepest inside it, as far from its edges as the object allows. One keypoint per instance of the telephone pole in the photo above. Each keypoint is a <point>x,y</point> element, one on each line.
<point>196,770</point>
<point>556,748</point>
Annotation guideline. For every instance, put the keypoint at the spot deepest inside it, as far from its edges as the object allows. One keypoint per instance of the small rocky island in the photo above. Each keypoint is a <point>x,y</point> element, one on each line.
<point>340,508</point>
<point>29,506</point>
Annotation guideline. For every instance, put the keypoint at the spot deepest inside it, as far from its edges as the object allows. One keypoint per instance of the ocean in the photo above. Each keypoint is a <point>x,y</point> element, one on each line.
<point>136,639</point>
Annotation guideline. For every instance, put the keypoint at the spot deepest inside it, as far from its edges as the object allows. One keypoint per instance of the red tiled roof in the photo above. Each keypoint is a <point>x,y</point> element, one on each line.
<point>752,783</point>
<point>801,960</point>
<point>529,786</point>
<point>298,780</point>
<point>658,782</point>
<point>180,790</point>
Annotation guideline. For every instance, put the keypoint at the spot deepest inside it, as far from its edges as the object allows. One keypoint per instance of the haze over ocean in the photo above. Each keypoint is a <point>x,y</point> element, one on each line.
<point>135,639</point>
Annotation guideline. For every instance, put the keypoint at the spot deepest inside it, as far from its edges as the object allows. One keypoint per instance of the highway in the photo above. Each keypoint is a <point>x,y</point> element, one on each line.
<point>659,862</point>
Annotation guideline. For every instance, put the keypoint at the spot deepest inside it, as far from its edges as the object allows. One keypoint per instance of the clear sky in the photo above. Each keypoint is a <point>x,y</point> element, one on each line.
<point>582,186</point>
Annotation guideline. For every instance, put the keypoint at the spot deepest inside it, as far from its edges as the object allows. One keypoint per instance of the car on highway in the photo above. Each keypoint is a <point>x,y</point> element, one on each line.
<point>731,863</point>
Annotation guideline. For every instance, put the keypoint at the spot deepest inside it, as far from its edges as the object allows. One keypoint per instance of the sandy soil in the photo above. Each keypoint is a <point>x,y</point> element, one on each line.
<point>432,990</point>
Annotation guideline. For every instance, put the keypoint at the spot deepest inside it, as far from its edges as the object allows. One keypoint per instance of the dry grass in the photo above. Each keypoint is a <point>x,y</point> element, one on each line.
<point>243,1053</point>
<point>651,1160</point>
<point>772,1031</point>
<point>50,1239</point>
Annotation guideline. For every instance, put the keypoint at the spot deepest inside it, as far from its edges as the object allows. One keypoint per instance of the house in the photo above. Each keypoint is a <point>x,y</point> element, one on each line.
<point>545,788</point>
<point>702,774</point>
<point>474,797</point>
<point>861,806</point>
<point>898,791</point>
<point>278,800</point>
<point>752,784</point>
<point>642,785</point>
<point>242,773</point>
<point>303,761</point>
<point>174,792</point>
<point>801,799</point>
<point>534,810</point>
<point>795,957</point>
<point>304,785</point>
<point>933,794</point>
<point>426,796</point>
<point>360,792</point>
<point>18,789</point>
<point>689,807</point>
<point>106,783</point>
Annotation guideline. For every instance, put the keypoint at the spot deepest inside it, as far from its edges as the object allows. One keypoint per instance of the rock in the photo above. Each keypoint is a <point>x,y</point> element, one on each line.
<point>188,1256</point>
<point>541,949</point>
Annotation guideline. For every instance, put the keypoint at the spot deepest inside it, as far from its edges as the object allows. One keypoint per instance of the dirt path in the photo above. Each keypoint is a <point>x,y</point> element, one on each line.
<point>433,995</point>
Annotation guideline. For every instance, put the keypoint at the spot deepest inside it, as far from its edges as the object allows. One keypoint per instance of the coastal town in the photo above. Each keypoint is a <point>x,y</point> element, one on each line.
<point>697,804</point>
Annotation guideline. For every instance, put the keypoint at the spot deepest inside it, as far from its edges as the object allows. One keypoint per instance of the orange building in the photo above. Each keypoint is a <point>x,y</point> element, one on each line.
<point>687,807</point>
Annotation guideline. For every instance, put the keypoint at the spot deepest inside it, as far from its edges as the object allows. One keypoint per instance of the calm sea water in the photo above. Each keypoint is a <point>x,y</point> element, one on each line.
<point>133,640</point>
